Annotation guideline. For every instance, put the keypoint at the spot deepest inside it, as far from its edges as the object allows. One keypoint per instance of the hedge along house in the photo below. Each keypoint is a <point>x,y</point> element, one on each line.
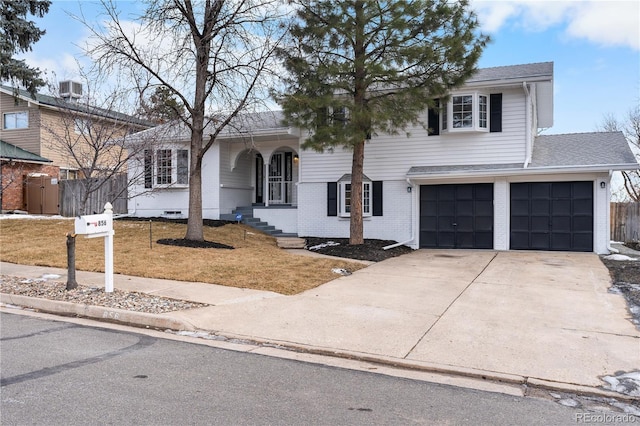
<point>479,176</point>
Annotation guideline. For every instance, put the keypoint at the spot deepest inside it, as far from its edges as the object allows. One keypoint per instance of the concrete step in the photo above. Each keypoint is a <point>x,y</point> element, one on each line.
<point>290,242</point>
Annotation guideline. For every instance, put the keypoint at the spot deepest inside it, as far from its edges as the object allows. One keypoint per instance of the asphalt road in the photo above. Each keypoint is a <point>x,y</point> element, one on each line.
<point>62,373</point>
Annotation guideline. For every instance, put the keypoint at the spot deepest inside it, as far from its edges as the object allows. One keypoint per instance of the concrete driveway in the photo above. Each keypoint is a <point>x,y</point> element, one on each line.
<point>537,315</point>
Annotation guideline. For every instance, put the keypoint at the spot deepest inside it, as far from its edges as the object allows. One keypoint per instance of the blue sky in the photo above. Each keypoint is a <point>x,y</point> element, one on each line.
<point>595,47</point>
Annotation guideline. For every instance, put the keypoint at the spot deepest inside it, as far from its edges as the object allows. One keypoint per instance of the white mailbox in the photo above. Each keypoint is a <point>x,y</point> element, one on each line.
<point>93,224</point>
<point>100,225</point>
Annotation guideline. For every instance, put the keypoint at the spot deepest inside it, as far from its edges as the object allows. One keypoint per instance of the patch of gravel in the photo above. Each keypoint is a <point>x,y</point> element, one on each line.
<point>118,299</point>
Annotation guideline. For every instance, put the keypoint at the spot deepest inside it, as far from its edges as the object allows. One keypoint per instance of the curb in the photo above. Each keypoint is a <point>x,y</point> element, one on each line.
<point>161,322</point>
<point>118,316</point>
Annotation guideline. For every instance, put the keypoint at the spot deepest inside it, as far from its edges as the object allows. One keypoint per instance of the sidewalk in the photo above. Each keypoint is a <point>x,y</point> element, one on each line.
<point>541,319</point>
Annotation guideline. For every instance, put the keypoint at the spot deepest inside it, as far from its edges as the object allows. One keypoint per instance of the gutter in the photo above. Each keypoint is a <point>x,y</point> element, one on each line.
<point>527,141</point>
<point>412,186</point>
<point>522,171</point>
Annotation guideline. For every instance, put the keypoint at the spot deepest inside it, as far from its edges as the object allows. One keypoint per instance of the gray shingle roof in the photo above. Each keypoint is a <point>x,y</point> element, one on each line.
<point>12,152</point>
<point>582,149</point>
<point>540,69</point>
<point>78,107</point>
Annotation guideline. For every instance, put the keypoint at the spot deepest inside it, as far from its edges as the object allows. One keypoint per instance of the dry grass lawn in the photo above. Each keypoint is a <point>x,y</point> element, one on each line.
<point>256,262</point>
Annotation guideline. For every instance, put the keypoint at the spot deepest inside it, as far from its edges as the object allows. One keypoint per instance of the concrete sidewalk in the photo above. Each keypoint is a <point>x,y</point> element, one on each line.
<point>536,318</point>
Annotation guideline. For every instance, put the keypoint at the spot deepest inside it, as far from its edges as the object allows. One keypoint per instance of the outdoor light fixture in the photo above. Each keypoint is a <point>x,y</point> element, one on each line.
<point>296,158</point>
<point>603,184</point>
<point>409,189</point>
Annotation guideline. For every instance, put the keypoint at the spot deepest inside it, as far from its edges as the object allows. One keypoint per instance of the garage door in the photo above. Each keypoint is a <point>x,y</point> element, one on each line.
<point>456,216</point>
<point>552,216</point>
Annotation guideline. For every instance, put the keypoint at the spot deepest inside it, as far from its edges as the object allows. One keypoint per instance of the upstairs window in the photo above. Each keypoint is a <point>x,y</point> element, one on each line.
<point>166,167</point>
<point>15,120</point>
<point>469,112</point>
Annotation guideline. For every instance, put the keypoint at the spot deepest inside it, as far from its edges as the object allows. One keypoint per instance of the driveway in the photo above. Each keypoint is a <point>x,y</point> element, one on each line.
<point>540,315</point>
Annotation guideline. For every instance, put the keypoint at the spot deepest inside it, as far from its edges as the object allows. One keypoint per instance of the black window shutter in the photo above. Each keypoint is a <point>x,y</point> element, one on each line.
<point>332,198</point>
<point>377,198</point>
<point>148,168</point>
<point>433,120</point>
<point>495,106</point>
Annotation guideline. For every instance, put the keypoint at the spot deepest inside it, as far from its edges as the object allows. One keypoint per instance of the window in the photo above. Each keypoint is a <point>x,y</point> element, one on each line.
<point>16,120</point>
<point>68,174</point>
<point>469,112</point>
<point>345,199</point>
<point>81,126</point>
<point>339,197</point>
<point>171,167</point>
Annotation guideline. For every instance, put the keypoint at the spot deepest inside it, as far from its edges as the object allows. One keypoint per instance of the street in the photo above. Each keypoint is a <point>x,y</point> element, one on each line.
<point>60,373</point>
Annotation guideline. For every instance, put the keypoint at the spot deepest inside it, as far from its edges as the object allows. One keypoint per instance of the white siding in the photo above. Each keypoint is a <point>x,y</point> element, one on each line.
<point>389,157</point>
<point>395,223</point>
<point>285,219</point>
<point>236,171</point>
<point>161,200</point>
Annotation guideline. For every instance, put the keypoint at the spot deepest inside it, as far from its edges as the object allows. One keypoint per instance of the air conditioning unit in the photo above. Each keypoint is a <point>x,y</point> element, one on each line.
<point>70,89</point>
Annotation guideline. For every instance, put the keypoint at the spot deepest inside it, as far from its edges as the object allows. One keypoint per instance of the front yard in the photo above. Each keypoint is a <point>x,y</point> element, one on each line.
<point>255,262</point>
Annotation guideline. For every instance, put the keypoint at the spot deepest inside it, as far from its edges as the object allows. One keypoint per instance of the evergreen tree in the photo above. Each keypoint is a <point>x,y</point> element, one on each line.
<point>17,34</point>
<point>361,67</point>
<point>162,106</point>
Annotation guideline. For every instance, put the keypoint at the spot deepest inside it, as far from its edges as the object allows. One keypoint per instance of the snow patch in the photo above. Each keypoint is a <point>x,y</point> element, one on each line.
<point>625,383</point>
<point>51,276</point>
<point>619,257</point>
<point>323,245</point>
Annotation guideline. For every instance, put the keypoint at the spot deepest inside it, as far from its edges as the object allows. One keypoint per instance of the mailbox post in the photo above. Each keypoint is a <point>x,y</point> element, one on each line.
<point>100,225</point>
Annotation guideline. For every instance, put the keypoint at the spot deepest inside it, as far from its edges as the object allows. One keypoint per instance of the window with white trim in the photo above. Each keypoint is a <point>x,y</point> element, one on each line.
<point>15,120</point>
<point>166,167</point>
<point>467,112</point>
<point>81,126</point>
<point>344,200</point>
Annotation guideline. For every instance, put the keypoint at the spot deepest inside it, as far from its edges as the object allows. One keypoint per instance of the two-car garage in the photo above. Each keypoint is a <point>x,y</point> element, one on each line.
<point>542,216</point>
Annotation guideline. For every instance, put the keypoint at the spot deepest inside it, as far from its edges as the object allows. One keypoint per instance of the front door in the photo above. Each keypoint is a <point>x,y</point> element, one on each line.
<point>280,178</point>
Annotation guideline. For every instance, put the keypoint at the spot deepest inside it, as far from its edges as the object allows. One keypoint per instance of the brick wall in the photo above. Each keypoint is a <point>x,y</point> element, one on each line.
<point>394,224</point>
<point>13,179</point>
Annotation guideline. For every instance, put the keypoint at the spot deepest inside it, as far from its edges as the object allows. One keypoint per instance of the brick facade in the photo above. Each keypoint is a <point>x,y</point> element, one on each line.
<point>13,181</point>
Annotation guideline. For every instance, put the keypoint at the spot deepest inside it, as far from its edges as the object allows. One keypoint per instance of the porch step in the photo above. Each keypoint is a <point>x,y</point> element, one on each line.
<point>291,242</point>
<point>255,222</point>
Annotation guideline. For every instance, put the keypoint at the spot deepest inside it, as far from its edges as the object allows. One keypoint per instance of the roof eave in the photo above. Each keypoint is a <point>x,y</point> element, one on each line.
<point>604,168</point>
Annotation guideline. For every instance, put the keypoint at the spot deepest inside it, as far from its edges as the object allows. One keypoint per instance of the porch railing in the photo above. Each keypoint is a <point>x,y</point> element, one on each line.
<point>282,192</point>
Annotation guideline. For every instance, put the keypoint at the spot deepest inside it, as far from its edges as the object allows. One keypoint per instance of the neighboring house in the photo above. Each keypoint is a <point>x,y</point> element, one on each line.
<point>31,130</point>
<point>481,177</point>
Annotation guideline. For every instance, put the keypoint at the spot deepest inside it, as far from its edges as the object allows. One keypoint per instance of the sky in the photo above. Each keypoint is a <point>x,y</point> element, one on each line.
<point>594,45</point>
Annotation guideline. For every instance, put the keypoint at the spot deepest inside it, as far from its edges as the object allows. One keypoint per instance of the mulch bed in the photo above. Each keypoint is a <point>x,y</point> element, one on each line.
<point>181,242</point>
<point>371,250</point>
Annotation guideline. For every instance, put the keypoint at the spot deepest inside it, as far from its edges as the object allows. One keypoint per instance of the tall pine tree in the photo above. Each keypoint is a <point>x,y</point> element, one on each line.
<point>17,34</point>
<point>357,68</point>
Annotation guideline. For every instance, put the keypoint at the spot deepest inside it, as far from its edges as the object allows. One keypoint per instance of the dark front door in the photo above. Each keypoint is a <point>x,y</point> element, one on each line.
<point>456,216</point>
<point>552,216</point>
<point>259,179</point>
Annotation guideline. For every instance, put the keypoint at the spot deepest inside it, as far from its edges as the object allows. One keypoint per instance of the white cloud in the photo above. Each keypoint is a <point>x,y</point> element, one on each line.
<point>602,22</point>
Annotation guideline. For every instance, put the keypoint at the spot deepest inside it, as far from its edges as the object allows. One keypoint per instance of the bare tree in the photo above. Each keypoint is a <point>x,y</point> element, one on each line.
<point>92,136</point>
<point>630,127</point>
<point>214,56</point>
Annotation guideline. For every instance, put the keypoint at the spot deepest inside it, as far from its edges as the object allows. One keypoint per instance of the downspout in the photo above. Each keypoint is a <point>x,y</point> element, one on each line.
<point>527,142</point>
<point>611,249</point>
<point>410,221</point>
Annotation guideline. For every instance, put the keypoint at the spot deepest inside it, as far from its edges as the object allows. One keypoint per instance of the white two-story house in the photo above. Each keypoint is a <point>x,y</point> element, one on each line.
<point>479,176</point>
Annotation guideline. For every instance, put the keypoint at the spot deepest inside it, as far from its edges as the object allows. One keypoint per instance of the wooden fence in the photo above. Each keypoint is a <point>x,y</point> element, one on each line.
<point>113,191</point>
<point>625,221</point>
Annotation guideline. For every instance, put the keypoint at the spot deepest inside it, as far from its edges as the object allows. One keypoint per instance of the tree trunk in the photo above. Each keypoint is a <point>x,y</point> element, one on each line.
<point>356,235</point>
<point>194,223</point>
<point>71,262</point>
